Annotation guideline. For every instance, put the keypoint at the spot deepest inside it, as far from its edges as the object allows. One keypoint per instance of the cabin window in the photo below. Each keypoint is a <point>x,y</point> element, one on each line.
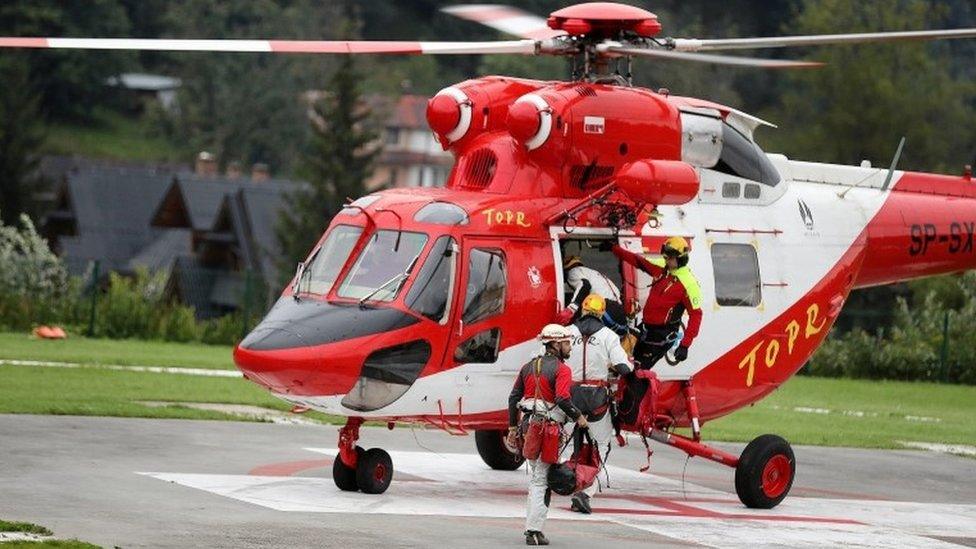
<point>486,285</point>
<point>737,282</point>
<point>383,266</point>
<point>743,158</point>
<point>442,213</point>
<point>731,190</point>
<point>481,347</point>
<point>431,291</point>
<point>753,191</point>
<point>327,261</point>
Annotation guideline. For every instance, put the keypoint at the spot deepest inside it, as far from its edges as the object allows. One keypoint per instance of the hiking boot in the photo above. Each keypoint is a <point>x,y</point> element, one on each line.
<point>533,537</point>
<point>581,503</point>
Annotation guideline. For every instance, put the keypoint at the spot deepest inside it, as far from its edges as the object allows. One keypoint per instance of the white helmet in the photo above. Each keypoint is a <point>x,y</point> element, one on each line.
<point>554,333</point>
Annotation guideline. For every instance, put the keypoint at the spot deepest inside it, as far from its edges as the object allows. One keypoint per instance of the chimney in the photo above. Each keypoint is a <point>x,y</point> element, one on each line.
<point>206,165</point>
<point>260,172</point>
<point>234,170</point>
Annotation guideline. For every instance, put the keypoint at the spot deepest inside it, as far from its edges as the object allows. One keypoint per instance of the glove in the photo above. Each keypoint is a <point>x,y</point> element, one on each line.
<point>565,316</point>
<point>681,353</point>
<point>605,245</point>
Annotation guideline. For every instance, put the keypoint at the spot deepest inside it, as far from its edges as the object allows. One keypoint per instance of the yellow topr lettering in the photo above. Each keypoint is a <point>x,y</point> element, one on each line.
<point>520,220</point>
<point>750,361</point>
<point>488,216</point>
<point>772,351</point>
<point>509,216</point>
<point>792,332</point>
<point>499,217</point>
<point>812,328</point>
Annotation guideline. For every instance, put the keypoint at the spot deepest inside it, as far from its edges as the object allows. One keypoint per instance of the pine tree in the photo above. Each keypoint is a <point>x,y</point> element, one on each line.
<point>339,160</point>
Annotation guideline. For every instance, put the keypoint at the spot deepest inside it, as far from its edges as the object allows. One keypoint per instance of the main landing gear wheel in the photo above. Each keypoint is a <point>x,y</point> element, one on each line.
<point>496,452</point>
<point>765,472</point>
<point>374,471</point>
<point>345,476</point>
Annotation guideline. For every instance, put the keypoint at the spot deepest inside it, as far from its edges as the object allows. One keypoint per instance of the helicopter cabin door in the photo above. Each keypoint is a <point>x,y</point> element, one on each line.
<point>506,293</point>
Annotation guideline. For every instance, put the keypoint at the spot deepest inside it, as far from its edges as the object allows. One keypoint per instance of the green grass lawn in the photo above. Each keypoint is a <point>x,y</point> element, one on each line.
<point>112,136</point>
<point>28,528</point>
<point>109,351</point>
<point>870,414</point>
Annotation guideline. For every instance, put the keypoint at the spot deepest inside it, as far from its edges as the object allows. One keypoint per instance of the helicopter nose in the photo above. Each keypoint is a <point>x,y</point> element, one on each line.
<point>314,348</point>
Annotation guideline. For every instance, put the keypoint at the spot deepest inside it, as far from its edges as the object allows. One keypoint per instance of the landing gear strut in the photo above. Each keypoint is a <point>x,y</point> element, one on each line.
<point>763,472</point>
<point>356,469</point>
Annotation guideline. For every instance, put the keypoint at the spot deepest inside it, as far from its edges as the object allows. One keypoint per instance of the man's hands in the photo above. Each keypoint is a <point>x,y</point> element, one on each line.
<point>581,421</point>
<point>681,353</point>
<point>512,438</point>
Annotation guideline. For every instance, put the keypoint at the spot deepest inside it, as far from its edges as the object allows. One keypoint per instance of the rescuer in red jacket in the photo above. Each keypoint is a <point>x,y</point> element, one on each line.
<point>674,292</point>
<point>542,389</point>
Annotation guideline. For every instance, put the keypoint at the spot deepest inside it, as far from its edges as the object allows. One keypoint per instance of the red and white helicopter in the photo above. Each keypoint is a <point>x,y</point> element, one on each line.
<point>419,305</point>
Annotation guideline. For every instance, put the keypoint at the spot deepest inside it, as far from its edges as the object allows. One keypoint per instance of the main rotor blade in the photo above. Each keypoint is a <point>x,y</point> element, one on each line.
<point>507,19</point>
<point>683,44</point>
<point>525,47</point>
<point>716,59</point>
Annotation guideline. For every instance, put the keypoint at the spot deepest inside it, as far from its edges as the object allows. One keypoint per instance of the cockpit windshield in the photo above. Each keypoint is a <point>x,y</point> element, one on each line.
<point>324,266</point>
<point>383,266</point>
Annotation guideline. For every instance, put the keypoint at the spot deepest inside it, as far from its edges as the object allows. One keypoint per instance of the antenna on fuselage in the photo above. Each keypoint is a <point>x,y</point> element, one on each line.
<point>894,164</point>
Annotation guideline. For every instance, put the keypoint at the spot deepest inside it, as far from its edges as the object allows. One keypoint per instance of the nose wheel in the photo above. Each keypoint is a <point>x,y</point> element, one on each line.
<point>370,471</point>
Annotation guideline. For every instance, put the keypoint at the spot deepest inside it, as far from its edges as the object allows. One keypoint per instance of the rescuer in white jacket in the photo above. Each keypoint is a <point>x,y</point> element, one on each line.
<point>583,281</point>
<point>597,357</point>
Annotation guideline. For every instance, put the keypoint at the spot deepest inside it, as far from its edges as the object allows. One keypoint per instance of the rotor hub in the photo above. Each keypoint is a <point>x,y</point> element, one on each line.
<point>604,20</point>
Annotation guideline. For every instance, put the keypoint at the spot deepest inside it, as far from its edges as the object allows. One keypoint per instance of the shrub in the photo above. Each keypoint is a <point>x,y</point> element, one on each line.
<point>34,286</point>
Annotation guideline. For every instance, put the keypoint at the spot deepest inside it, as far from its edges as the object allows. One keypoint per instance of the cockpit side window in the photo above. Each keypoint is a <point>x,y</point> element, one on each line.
<point>322,270</point>
<point>383,266</point>
<point>486,285</point>
<point>743,158</point>
<point>431,291</point>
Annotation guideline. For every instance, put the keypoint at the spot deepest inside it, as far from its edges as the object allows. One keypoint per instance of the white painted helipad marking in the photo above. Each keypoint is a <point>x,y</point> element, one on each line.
<point>150,369</point>
<point>957,449</point>
<point>460,485</point>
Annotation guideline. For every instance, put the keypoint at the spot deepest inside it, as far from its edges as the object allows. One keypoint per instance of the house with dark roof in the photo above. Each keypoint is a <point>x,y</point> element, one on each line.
<point>411,157</point>
<point>102,213</point>
<point>234,247</point>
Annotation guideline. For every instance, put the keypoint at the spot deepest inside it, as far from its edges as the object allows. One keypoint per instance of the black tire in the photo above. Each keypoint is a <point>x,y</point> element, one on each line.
<point>345,476</point>
<point>495,452</point>
<point>374,471</point>
<point>765,472</point>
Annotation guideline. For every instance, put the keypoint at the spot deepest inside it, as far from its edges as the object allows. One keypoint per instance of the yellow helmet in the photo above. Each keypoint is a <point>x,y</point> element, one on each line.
<point>572,261</point>
<point>675,246</point>
<point>594,304</point>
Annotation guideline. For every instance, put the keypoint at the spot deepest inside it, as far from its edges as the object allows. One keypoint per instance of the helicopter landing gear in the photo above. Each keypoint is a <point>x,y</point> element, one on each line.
<point>765,472</point>
<point>495,451</point>
<point>356,469</point>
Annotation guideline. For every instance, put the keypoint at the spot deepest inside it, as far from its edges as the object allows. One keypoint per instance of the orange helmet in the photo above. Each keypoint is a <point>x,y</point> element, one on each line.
<point>594,304</point>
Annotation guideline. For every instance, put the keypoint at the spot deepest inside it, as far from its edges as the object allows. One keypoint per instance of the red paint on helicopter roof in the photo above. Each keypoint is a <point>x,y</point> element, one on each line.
<point>603,11</point>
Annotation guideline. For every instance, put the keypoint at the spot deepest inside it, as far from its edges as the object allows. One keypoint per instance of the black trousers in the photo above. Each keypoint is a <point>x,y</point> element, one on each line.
<point>653,343</point>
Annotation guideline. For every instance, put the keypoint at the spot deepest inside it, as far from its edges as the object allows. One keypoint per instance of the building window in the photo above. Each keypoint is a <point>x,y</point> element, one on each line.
<point>392,136</point>
<point>737,282</point>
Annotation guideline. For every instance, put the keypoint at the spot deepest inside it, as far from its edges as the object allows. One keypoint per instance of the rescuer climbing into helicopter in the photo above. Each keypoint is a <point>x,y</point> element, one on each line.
<point>597,357</point>
<point>673,292</point>
<point>583,281</point>
<point>542,393</point>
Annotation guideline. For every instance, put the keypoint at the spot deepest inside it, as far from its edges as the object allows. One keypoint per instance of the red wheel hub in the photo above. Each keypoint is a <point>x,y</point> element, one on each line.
<point>379,472</point>
<point>776,476</point>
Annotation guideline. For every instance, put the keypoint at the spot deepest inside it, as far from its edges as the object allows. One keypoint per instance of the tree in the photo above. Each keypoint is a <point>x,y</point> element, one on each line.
<point>339,160</point>
<point>20,138</point>
<point>868,96</point>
